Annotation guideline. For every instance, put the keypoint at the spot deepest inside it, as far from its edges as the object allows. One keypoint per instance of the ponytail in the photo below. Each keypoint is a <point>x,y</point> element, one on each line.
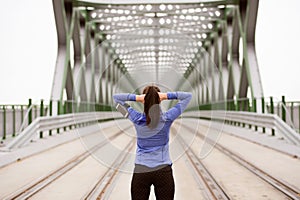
<point>151,106</point>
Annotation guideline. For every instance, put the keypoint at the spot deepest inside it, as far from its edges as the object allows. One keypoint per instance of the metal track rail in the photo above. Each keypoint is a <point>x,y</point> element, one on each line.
<point>212,188</point>
<point>29,191</point>
<point>99,189</point>
<point>286,189</point>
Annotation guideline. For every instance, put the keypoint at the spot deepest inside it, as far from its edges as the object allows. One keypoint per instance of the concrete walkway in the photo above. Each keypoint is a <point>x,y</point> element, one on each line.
<point>23,167</point>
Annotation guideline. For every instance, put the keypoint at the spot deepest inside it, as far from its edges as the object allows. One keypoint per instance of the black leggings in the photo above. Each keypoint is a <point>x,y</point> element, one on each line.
<point>161,178</point>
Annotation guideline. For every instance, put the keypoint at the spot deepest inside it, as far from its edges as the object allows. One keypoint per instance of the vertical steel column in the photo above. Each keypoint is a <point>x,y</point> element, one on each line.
<point>106,67</point>
<point>101,71</point>
<point>198,83</point>
<point>112,77</point>
<point>63,78</point>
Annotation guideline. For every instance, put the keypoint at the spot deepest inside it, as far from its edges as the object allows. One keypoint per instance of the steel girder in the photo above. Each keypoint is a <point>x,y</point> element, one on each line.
<point>210,44</point>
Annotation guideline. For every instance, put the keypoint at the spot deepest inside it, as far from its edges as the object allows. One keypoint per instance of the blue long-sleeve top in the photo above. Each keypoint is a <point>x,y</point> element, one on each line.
<point>153,144</point>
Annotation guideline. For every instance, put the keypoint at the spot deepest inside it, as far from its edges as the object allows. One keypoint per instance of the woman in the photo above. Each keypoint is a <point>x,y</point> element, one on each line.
<point>153,163</point>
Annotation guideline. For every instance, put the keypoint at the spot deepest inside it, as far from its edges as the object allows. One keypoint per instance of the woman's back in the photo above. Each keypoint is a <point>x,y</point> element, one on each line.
<point>153,165</point>
<point>153,142</point>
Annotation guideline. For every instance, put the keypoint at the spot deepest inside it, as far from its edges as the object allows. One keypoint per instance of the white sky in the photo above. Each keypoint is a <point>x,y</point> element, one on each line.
<point>28,47</point>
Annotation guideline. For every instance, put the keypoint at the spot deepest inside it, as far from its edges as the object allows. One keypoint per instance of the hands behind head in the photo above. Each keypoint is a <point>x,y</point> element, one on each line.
<point>140,98</point>
<point>162,96</point>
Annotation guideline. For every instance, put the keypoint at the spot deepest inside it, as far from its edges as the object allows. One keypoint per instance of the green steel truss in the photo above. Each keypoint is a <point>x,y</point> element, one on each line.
<point>210,43</point>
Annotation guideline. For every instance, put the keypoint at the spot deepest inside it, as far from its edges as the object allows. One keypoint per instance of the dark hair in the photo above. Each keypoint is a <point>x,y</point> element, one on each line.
<point>151,105</point>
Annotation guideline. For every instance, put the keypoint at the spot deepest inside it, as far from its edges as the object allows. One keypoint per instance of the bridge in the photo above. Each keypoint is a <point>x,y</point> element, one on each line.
<point>231,143</point>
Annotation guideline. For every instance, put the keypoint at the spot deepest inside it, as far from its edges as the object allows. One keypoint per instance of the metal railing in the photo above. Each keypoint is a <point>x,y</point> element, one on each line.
<point>250,119</point>
<point>57,123</point>
<point>288,111</point>
<point>14,118</point>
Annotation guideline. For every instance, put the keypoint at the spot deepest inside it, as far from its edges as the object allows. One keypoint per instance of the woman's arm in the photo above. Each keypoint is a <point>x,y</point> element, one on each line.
<point>123,97</point>
<point>184,99</point>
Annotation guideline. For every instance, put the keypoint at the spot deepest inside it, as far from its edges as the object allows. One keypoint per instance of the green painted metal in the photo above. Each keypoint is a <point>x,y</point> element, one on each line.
<point>271,105</point>
<point>283,108</point>
<point>70,19</point>
<point>35,109</point>
<point>4,123</point>
<point>41,114</point>
<point>59,107</point>
<point>14,120</point>
<point>42,108</point>
<point>272,112</point>
<point>292,111</point>
<point>263,111</point>
<point>22,113</point>
<point>299,118</point>
<point>58,112</point>
<point>254,110</point>
<point>65,107</point>
<point>50,114</point>
<point>29,111</point>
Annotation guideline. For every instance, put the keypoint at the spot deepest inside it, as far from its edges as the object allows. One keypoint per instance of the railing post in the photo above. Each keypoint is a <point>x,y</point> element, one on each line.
<point>65,112</point>
<point>29,111</point>
<point>87,107</point>
<point>243,103</point>
<point>237,108</point>
<point>70,109</point>
<point>249,110</point>
<point>58,107</point>
<point>236,103</point>
<point>58,112</point>
<point>299,118</point>
<point>22,114</point>
<point>254,105</point>
<point>35,111</point>
<point>283,111</point>
<point>41,114</point>
<point>65,107</point>
<point>14,121</point>
<point>254,110</point>
<point>278,109</point>
<point>4,123</point>
<point>50,114</point>
<point>249,107</point>
<point>70,106</point>
<point>292,112</point>
<point>263,111</point>
<point>272,112</point>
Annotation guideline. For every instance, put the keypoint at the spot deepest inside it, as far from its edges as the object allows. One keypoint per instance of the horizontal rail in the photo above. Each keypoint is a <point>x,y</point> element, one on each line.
<point>285,188</point>
<point>270,121</point>
<point>48,123</point>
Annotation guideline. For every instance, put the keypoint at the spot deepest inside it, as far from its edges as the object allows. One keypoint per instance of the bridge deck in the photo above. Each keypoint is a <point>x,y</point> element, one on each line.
<point>207,164</point>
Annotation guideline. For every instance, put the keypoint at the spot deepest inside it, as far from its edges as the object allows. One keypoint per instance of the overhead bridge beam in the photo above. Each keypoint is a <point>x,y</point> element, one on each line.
<point>214,40</point>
